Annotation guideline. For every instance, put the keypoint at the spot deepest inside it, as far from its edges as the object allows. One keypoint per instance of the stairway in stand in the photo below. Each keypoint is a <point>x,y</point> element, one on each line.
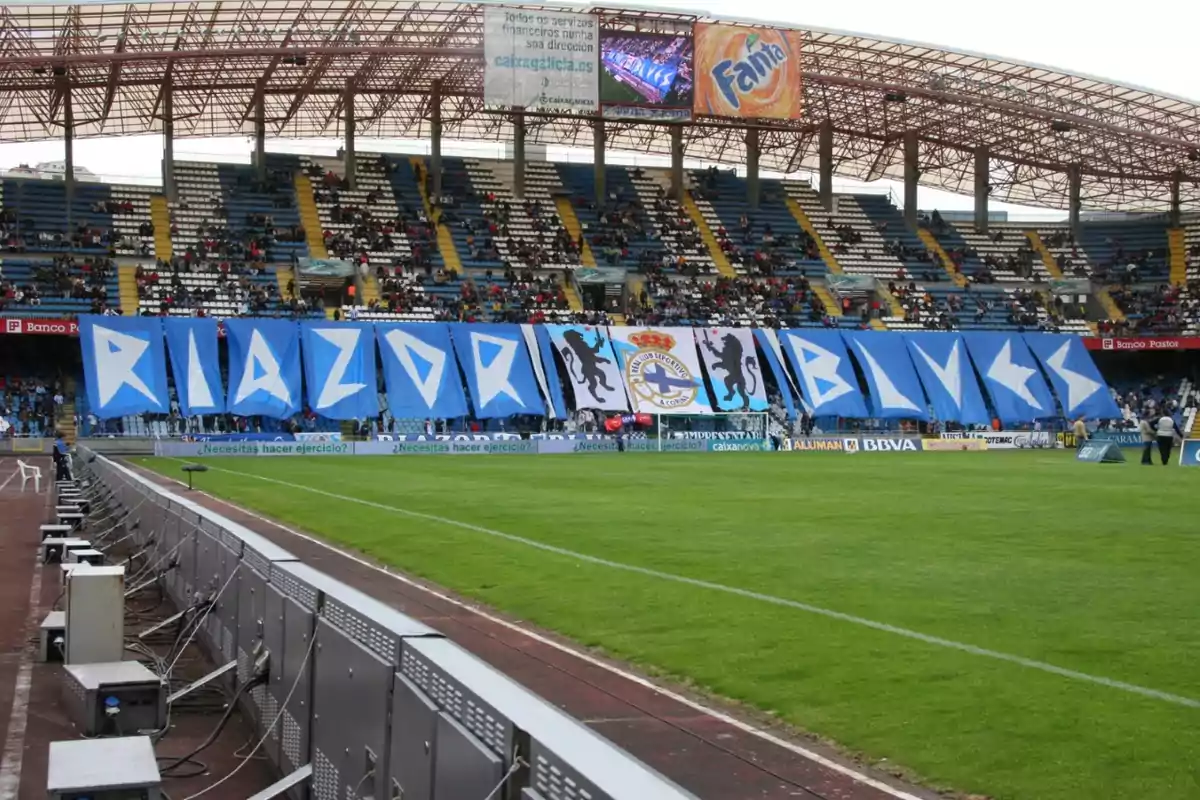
<point>65,421</point>
<point>1178,256</point>
<point>1039,247</point>
<point>285,277</point>
<point>706,235</point>
<point>127,283</point>
<point>160,217</point>
<point>806,224</point>
<point>1111,309</point>
<point>445,239</point>
<point>573,301</point>
<point>934,246</point>
<point>832,308</point>
<point>570,221</point>
<point>309,218</point>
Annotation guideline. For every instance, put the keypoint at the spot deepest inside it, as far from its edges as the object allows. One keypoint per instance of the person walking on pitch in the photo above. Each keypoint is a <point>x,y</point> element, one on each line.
<point>1167,430</point>
<point>1147,430</point>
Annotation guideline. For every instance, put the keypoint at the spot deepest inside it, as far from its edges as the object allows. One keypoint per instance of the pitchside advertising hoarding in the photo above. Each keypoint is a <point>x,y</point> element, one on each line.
<point>540,59</point>
<point>1189,454</point>
<point>748,73</point>
<point>647,76</point>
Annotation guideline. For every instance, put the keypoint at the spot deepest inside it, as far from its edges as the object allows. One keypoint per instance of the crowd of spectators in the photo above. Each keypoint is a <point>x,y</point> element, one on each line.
<point>921,308</point>
<point>763,252</point>
<point>22,236</point>
<point>1160,309</point>
<point>733,302</point>
<point>520,297</point>
<point>29,406</point>
<point>169,290</point>
<point>65,277</point>
<point>374,226</point>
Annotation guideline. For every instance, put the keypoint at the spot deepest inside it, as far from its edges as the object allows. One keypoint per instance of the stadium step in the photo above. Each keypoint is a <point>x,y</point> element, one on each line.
<point>307,206</point>
<point>330,311</point>
<point>878,325</point>
<point>445,240</point>
<point>370,289</point>
<point>706,235</point>
<point>1109,305</point>
<point>806,224</point>
<point>1039,247</point>
<point>831,306</point>
<point>160,217</point>
<point>1178,256</point>
<point>894,307</point>
<point>127,284</point>
<point>65,423</point>
<point>934,246</point>
<point>573,301</point>
<point>285,276</point>
<point>570,221</point>
<point>616,319</point>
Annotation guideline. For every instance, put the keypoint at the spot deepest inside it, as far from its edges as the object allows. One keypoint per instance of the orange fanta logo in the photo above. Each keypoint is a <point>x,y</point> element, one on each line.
<point>748,72</point>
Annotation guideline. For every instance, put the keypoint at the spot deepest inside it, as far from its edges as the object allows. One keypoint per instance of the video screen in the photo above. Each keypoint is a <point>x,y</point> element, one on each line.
<point>647,75</point>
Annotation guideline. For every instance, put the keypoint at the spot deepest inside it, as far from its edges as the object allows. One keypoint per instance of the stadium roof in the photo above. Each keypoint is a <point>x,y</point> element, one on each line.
<point>300,55</point>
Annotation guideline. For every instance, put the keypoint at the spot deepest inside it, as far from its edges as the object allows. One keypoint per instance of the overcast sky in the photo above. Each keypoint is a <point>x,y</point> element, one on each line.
<point>1152,48</point>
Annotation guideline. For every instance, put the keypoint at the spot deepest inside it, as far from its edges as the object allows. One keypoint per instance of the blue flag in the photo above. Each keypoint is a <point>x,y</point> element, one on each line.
<point>949,379</point>
<point>496,363</point>
<point>192,344</point>
<point>1081,390</point>
<point>895,390</point>
<point>1011,376</point>
<point>339,369</point>
<point>537,339</point>
<point>820,360</point>
<point>768,342</point>
<point>264,367</point>
<point>124,366</point>
<point>420,371</point>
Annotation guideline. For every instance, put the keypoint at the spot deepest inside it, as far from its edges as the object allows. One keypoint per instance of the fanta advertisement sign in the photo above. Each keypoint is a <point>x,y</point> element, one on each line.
<point>752,73</point>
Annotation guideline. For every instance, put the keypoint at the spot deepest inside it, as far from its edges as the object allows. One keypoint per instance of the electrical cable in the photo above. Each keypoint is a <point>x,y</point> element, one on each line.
<point>312,642</point>
<point>518,762</point>
<point>204,617</point>
<point>174,762</point>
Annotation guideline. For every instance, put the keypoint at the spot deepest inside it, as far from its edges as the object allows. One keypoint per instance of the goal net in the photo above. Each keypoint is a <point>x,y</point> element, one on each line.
<point>725,425</point>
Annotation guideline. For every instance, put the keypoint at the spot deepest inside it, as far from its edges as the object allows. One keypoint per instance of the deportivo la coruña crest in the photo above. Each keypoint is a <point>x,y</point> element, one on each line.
<point>655,375</point>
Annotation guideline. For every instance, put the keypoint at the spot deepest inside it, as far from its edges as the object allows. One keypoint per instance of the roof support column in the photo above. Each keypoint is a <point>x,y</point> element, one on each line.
<point>912,174</point>
<point>68,147</point>
<point>598,134</point>
<point>753,150</point>
<point>519,153</point>
<point>435,141</point>
<point>351,162</point>
<point>260,134</point>
<point>677,162</point>
<point>168,158</point>
<point>983,187</point>
<point>1176,205</point>
<point>825,173</point>
<point>1074,198</point>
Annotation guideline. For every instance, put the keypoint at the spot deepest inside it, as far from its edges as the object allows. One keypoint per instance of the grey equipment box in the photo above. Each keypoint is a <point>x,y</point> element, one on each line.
<point>55,532</point>
<point>86,556</point>
<point>55,549</point>
<point>53,628</point>
<point>103,769</point>
<point>137,693</point>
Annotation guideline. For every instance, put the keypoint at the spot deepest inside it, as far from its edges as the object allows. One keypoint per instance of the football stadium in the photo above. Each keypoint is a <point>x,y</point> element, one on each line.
<point>584,416</point>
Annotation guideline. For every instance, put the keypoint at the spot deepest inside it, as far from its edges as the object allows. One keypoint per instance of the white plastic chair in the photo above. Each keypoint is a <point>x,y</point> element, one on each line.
<point>30,472</point>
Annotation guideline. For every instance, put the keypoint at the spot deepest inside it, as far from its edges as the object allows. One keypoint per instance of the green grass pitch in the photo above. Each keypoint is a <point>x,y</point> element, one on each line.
<point>1090,568</point>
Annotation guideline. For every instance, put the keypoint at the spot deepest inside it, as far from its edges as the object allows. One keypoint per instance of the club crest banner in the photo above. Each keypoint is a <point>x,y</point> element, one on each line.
<point>591,364</point>
<point>419,369</point>
<point>192,344</point>
<point>124,365</point>
<point>661,370</point>
<point>339,368</point>
<point>264,367</point>
<point>731,360</point>
<point>496,362</point>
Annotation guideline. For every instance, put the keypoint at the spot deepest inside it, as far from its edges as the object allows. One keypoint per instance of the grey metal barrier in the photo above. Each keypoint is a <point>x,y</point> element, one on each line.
<point>380,704</point>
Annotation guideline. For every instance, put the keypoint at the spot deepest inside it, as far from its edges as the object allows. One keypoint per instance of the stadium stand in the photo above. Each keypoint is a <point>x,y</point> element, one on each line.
<point>101,219</point>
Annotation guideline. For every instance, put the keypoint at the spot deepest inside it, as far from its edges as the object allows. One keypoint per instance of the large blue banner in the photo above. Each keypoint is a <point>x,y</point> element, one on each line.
<point>264,367</point>
<point>192,344</point>
<point>124,366</point>
<point>339,368</point>
<point>949,379</point>
<point>537,339</point>
<point>496,363</point>
<point>820,359</point>
<point>1080,389</point>
<point>420,371</point>
<point>768,342</point>
<point>895,391</point>
<point>1011,376</point>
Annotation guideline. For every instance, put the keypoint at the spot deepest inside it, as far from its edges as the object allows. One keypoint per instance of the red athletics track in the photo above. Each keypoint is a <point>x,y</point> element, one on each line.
<point>706,751</point>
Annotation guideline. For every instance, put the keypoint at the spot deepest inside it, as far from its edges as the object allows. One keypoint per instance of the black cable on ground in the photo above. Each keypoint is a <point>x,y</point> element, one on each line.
<point>174,762</point>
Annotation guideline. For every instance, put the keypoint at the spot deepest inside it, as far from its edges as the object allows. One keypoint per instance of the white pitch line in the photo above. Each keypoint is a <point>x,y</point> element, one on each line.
<point>18,719</point>
<point>950,644</point>
<point>9,479</point>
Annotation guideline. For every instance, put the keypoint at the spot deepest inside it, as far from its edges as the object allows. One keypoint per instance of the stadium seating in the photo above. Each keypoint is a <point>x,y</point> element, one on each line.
<point>49,286</point>
<point>105,219</point>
